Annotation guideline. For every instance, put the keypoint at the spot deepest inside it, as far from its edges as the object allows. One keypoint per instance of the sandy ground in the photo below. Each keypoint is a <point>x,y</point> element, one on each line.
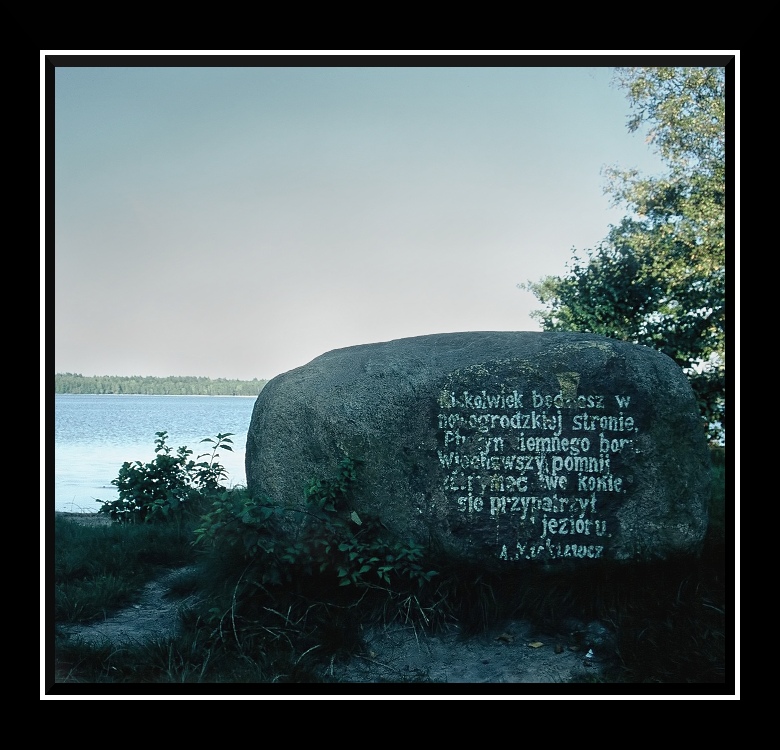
<point>515,653</point>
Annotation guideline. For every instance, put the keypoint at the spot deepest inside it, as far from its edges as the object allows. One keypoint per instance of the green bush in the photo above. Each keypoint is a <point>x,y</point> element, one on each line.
<point>335,540</point>
<point>170,485</point>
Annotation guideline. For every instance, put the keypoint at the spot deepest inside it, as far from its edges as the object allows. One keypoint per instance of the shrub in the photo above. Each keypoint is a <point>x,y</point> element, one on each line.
<point>168,486</point>
<point>335,541</point>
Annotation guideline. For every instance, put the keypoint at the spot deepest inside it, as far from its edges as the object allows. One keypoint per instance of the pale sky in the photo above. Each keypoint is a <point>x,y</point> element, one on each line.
<point>237,222</point>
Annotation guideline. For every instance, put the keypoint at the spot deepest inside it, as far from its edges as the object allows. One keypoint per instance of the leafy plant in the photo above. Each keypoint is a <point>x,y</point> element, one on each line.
<point>359,550</point>
<point>274,581</point>
<point>207,476</point>
<point>236,521</point>
<point>336,541</point>
<point>169,485</point>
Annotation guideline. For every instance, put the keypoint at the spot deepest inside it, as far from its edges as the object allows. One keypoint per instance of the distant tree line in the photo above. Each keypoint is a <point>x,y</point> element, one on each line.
<point>69,382</point>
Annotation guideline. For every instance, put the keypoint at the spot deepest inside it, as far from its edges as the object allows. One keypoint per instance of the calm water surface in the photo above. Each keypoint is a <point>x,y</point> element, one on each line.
<point>95,435</point>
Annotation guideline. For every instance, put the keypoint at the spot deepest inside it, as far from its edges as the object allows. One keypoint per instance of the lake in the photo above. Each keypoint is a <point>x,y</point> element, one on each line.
<point>95,434</point>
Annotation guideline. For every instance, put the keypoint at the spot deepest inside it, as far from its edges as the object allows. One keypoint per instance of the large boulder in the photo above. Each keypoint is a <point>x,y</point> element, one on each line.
<point>497,446</point>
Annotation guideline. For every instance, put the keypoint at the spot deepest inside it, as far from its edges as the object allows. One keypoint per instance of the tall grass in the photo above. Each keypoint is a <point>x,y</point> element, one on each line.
<point>98,569</point>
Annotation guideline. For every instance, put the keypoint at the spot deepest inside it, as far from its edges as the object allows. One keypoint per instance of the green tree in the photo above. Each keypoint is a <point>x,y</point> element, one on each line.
<point>658,278</point>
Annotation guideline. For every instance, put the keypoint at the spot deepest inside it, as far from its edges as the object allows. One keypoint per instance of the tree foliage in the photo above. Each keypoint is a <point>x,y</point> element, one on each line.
<point>658,278</point>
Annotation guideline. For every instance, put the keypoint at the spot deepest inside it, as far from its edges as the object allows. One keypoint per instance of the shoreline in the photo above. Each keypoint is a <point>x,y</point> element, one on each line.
<point>86,519</point>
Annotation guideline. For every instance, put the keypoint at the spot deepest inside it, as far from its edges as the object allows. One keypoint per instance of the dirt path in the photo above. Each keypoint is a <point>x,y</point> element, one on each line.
<point>156,615</point>
<point>514,653</point>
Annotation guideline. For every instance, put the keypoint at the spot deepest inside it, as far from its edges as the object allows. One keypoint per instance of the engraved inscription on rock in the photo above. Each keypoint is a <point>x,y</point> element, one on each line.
<point>497,446</point>
<point>535,466</point>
